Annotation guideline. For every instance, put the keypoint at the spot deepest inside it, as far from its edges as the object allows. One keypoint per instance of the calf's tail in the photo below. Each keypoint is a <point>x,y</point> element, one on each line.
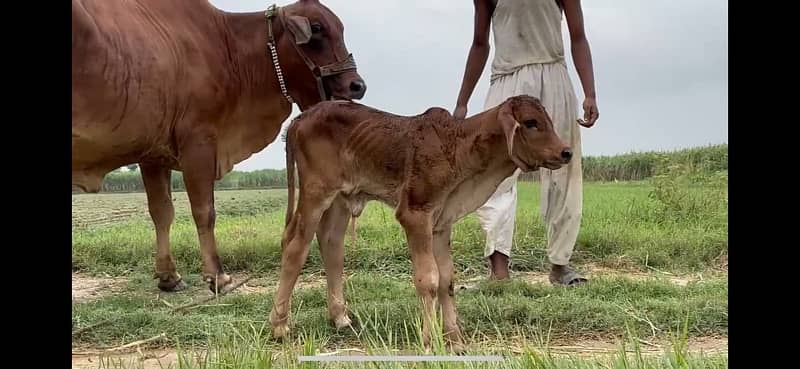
<point>290,173</point>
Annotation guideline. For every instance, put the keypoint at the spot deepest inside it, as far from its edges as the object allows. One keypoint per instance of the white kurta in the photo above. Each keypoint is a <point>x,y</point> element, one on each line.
<point>529,59</point>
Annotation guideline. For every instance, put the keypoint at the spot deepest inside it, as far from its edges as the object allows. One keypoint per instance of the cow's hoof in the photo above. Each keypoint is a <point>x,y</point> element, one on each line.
<point>342,321</point>
<point>171,282</point>
<point>222,284</point>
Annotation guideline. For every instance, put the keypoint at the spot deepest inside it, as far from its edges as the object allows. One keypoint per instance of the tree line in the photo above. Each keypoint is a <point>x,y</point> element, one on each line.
<point>624,167</point>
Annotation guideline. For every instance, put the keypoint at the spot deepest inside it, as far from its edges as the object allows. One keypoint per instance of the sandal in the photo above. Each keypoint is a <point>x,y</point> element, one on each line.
<point>568,278</point>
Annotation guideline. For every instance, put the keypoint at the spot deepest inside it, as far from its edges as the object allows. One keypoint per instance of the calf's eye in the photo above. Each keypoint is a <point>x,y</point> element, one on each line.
<point>531,123</point>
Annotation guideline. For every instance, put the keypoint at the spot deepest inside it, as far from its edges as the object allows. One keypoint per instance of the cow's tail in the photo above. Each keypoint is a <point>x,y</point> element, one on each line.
<point>290,174</point>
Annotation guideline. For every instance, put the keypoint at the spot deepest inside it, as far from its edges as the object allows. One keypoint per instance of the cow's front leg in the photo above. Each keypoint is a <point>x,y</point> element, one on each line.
<point>198,162</point>
<point>418,229</point>
<point>444,261</point>
<point>157,184</point>
<point>330,235</point>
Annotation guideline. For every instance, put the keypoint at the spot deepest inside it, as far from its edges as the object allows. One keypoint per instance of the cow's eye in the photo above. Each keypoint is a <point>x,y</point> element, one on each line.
<point>316,28</point>
<point>531,123</point>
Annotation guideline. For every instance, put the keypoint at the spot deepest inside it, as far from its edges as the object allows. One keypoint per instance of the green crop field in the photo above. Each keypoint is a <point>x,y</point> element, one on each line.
<point>655,251</point>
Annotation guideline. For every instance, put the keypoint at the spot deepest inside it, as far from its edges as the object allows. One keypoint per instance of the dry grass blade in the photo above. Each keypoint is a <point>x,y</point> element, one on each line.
<point>207,299</point>
<point>659,271</point>
<point>630,312</point>
<point>137,343</point>
<point>648,343</point>
<point>86,353</point>
<point>90,327</point>
<point>206,306</point>
<point>337,352</point>
<point>165,302</point>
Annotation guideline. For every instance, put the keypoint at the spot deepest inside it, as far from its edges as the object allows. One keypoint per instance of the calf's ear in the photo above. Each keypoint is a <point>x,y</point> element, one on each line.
<point>300,27</point>
<point>505,117</point>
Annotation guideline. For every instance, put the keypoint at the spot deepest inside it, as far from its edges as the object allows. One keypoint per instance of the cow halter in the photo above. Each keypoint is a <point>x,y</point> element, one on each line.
<point>319,73</point>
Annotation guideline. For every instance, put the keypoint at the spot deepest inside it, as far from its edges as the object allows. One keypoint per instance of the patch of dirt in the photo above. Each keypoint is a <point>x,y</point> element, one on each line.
<point>721,262</point>
<point>269,285</point>
<point>86,288</point>
<point>149,359</point>
<point>680,280</point>
<point>593,271</point>
<point>709,344</point>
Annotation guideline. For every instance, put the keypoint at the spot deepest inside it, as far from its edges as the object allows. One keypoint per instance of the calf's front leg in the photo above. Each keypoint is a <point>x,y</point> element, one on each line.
<point>418,229</point>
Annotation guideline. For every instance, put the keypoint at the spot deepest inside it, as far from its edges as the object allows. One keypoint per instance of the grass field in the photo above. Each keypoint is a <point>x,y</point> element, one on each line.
<point>656,252</point>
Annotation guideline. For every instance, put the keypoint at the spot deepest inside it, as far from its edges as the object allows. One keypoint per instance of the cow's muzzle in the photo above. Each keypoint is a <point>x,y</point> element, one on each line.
<point>357,89</point>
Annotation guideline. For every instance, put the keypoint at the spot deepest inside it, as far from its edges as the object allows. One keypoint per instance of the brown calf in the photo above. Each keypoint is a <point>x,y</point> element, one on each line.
<point>433,168</point>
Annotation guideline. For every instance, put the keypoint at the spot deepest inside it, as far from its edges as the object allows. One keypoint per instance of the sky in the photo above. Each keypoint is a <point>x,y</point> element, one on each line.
<point>661,67</point>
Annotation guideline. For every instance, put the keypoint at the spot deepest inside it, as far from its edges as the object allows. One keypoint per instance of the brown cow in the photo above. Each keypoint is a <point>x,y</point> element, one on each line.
<point>181,85</point>
<point>433,168</point>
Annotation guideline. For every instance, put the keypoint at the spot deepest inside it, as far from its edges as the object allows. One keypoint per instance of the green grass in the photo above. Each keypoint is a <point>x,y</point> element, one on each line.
<point>247,345</point>
<point>675,223</point>
<point>515,320</point>
<point>383,306</point>
<point>239,350</point>
<point>623,225</point>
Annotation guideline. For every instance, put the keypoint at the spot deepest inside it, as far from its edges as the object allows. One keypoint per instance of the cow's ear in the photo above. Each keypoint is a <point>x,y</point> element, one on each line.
<point>505,116</point>
<point>300,28</point>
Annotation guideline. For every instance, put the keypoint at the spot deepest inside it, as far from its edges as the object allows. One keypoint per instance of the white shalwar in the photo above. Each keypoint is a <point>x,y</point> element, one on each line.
<point>529,59</point>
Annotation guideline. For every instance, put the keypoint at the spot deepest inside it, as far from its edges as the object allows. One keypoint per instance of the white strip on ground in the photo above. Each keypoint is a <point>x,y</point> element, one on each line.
<point>366,358</point>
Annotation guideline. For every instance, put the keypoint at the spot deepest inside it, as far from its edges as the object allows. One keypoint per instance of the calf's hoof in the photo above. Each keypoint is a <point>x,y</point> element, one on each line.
<point>456,347</point>
<point>280,326</point>
<point>170,282</point>
<point>342,321</point>
<point>280,330</point>
<point>221,283</point>
<point>426,344</point>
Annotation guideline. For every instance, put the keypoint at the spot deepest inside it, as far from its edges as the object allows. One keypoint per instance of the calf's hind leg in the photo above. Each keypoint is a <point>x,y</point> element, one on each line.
<point>299,233</point>
<point>444,261</point>
<point>330,235</point>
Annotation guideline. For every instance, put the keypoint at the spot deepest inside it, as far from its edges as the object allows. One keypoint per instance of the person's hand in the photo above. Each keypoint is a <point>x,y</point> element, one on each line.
<point>590,113</point>
<point>460,112</point>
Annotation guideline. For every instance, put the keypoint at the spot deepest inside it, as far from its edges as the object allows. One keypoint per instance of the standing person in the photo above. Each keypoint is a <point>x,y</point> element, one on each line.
<point>529,59</point>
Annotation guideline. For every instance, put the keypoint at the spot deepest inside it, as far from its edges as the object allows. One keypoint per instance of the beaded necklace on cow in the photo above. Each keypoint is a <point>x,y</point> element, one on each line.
<point>319,73</point>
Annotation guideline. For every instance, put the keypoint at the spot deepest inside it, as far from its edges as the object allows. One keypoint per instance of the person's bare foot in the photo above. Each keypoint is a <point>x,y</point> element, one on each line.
<point>564,275</point>
<point>499,265</point>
